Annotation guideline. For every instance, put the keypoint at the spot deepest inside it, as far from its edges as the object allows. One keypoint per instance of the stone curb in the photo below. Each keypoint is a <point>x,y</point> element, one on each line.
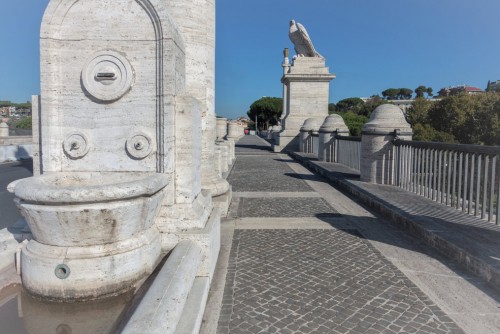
<point>463,256</point>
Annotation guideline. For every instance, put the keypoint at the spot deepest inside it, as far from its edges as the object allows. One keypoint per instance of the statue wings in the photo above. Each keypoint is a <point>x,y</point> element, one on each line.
<point>301,41</point>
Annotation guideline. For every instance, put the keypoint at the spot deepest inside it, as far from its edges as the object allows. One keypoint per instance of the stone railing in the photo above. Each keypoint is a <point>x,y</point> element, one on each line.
<point>465,177</point>
<point>14,148</point>
<point>347,151</point>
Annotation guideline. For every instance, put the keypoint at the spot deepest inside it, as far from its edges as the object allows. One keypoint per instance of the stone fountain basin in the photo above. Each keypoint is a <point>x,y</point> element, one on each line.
<point>89,208</point>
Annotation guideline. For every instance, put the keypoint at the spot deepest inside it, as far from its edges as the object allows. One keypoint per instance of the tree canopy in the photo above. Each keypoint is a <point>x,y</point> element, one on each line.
<point>268,111</point>
<point>358,106</point>
<point>349,104</point>
<point>397,93</point>
<point>354,122</point>
<point>463,118</point>
<point>421,90</point>
<point>24,105</point>
<point>331,108</point>
<point>471,119</point>
<point>391,93</point>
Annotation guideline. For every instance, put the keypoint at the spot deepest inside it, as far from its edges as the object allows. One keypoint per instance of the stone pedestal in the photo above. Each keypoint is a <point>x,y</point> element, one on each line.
<point>377,160</point>
<point>307,91</point>
<point>332,127</point>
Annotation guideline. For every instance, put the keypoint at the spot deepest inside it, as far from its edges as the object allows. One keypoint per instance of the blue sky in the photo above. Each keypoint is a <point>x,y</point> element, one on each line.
<point>370,45</point>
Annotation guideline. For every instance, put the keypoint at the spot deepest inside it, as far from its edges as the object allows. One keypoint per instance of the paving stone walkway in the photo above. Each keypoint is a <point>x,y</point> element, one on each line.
<point>299,257</point>
<point>315,281</point>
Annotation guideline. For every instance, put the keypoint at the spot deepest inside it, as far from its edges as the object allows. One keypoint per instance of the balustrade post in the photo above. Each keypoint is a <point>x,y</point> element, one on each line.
<point>332,127</point>
<point>221,128</point>
<point>310,126</point>
<point>4,130</point>
<point>377,143</point>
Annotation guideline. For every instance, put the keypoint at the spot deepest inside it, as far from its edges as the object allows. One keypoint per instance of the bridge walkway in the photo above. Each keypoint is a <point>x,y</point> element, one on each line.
<point>299,256</point>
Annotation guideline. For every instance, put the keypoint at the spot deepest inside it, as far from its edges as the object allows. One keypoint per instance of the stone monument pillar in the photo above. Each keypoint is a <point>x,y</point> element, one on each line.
<point>332,127</point>
<point>307,83</point>
<point>377,161</point>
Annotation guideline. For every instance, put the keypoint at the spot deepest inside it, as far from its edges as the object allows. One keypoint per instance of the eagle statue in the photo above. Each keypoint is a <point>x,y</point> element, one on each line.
<point>301,41</point>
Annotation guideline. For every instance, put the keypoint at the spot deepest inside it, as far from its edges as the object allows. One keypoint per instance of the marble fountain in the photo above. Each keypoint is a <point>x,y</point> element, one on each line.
<point>125,200</point>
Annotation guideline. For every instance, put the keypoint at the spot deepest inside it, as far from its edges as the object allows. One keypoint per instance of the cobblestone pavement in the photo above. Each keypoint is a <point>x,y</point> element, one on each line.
<point>285,207</point>
<point>253,145</point>
<point>281,279</point>
<point>264,173</point>
<point>320,281</point>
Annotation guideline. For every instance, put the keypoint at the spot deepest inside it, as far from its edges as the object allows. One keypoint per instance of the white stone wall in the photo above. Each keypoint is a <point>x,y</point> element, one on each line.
<point>71,35</point>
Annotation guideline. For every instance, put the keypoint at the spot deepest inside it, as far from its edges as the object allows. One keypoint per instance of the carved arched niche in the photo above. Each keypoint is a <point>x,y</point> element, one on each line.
<point>110,71</point>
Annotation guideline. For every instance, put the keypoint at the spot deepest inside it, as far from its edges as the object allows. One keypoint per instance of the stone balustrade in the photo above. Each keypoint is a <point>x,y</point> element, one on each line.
<point>461,176</point>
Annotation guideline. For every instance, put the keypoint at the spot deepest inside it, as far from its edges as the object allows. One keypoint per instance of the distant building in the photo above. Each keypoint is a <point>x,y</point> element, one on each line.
<point>454,90</point>
<point>404,105</point>
<point>243,121</point>
<point>494,86</point>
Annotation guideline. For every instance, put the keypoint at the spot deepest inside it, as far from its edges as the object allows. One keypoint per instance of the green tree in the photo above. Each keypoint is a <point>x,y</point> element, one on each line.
<point>418,112</point>
<point>471,119</point>
<point>425,132</point>
<point>370,105</point>
<point>488,87</point>
<point>419,91</point>
<point>331,108</point>
<point>349,104</point>
<point>405,93</point>
<point>268,111</point>
<point>418,117</point>
<point>23,123</point>
<point>354,122</point>
<point>391,93</point>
